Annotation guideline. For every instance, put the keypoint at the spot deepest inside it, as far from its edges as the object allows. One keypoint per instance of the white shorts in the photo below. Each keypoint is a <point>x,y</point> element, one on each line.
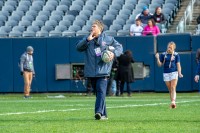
<point>170,76</point>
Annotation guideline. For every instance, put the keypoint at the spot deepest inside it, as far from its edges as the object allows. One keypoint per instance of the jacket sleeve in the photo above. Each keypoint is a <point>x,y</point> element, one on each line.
<point>82,45</point>
<point>118,48</point>
<point>22,60</point>
<point>198,69</point>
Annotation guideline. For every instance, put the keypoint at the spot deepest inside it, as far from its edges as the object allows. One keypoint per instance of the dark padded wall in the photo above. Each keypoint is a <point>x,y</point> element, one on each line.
<point>57,53</point>
<point>142,48</point>
<point>6,67</point>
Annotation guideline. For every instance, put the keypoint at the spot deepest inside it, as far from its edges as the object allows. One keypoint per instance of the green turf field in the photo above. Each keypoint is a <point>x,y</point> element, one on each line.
<point>141,113</point>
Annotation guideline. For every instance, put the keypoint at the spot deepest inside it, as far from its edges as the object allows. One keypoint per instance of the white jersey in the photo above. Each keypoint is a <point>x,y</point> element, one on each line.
<point>136,30</point>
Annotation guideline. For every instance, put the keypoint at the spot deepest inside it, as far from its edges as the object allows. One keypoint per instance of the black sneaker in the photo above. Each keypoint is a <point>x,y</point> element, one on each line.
<point>97,116</point>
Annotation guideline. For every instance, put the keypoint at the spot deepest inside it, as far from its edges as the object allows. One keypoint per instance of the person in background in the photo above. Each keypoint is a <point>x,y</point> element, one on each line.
<point>170,60</point>
<point>198,19</point>
<point>136,29</point>
<point>111,88</point>
<point>144,16</point>
<point>196,79</point>
<point>198,55</point>
<point>97,66</point>
<point>125,72</point>
<point>151,28</point>
<point>27,70</point>
<point>158,16</point>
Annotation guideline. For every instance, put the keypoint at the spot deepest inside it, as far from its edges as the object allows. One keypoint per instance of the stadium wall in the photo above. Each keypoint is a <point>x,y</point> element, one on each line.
<point>51,51</point>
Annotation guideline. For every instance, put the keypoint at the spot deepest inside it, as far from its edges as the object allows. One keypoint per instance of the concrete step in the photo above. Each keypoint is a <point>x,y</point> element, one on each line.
<point>184,4</point>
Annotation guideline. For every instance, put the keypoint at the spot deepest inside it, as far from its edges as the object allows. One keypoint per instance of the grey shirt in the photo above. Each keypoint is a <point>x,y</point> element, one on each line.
<point>26,63</point>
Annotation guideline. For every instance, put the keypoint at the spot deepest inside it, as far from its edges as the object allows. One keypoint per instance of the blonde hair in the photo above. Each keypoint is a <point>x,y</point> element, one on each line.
<point>99,24</point>
<point>173,44</point>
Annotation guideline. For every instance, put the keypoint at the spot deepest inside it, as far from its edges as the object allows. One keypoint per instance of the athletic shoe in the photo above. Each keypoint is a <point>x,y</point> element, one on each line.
<point>173,105</point>
<point>27,97</point>
<point>104,118</point>
<point>97,116</point>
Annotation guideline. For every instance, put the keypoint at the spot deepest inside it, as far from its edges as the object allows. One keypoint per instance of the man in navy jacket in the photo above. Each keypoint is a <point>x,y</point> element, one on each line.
<point>95,68</point>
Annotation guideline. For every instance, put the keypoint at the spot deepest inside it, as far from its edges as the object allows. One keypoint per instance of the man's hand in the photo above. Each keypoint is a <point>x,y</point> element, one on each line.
<point>91,36</point>
<point>196,78</point>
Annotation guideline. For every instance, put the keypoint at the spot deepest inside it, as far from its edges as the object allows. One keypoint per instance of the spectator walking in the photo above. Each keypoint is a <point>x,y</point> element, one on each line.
<point>125,72</point>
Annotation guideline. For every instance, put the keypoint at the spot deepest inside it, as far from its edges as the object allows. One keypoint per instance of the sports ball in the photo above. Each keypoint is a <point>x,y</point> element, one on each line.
<point>107,56</point>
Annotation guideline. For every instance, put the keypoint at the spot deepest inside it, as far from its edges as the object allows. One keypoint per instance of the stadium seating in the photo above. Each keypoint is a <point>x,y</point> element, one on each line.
<point>74,17</point>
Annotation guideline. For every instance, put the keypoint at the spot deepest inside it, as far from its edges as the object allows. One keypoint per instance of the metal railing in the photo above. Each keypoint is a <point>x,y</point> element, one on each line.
<point>187,17</point>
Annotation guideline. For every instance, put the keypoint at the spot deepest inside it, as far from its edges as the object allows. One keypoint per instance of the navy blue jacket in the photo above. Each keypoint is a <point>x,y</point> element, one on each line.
<point>198,69</point>
<point>94,66</point>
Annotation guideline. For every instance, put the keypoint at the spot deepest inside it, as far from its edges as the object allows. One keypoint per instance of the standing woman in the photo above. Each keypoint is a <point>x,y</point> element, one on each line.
<point>172,69</point>
<point>125,72</point>
<point>158,16</point>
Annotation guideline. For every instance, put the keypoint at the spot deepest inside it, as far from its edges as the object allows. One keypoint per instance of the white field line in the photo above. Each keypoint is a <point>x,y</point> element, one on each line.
<point>67,110</point>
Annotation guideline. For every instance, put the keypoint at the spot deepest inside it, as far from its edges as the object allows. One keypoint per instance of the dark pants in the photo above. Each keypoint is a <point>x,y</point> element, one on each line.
<point>100,85</point>
<point>122,87</point>
<point>109,87</point>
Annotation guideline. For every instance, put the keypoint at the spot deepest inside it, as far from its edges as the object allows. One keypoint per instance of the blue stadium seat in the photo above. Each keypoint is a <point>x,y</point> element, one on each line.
<point>29,34</point>
<point>42,17</point>
<point>5,13</point>
<point>15,34</point>
<point>25,23</point>
<point>33,28</point>
<point>5,28</point>
<point>42,33</point>
<point>18,28</point>
<point>3,18</point>
<point>38,23</point>
<point>11,23</point>
<point>3,34</point>
<point>47,28</point>
<point>69,33</point>
<point>115,27</point>
<point>65,2</point>
<point>111,32</point>
<point>45,13</point>
<point>62,8</point>
<point>60,28</point>
<point>51,23</point>
<point>74,28</point>
<point>157,1</point>
<point>86,28</point>
<point>79,22</point>
<point>66,23</point>
<point>55,33</point>
<point>127,27</point>
<point>123,33</point>
<point>82,33</point>
<point>145,1</point>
